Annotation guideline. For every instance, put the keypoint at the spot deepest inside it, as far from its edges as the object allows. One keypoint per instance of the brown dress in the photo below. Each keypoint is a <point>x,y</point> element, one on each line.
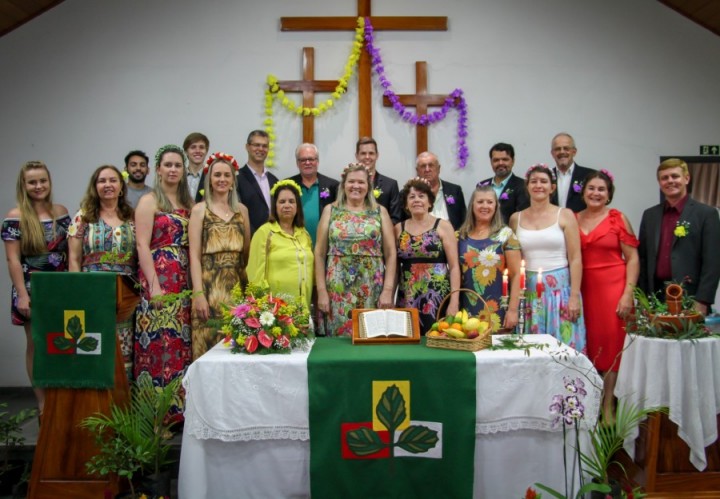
<point>223,266</point>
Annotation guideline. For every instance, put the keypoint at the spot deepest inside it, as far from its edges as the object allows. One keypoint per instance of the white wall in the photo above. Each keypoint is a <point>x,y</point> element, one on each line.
<point>87,81</point>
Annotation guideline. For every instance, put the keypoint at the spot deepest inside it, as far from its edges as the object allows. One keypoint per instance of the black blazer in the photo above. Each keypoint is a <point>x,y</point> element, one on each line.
<point>251,196</point>
<point>389,196</point>
<point>694,258</point>
<point>574,200</point>
<point>513,197</point>
<point>324,182</point>
<point>199,197</point>
<point>455,202</point>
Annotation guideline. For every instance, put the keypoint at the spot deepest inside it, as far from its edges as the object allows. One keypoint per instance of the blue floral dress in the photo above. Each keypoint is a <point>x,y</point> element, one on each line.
<point>424,274</point>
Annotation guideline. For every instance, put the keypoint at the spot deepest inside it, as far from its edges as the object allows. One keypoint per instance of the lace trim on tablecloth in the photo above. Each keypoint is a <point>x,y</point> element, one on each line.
<point>203,432</point>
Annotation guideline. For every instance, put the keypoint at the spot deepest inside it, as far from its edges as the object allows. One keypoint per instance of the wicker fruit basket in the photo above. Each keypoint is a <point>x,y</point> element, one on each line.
<point>484,340</point>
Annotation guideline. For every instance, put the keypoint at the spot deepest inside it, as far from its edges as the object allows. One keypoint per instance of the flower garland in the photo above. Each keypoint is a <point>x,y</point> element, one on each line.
<point>286,182</point>
<point>273,93</point>
<point>221,156</point>
<point>455,99</point>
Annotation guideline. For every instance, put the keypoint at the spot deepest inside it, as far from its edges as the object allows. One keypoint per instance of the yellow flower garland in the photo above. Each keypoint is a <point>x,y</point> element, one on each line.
<point>273,92</point>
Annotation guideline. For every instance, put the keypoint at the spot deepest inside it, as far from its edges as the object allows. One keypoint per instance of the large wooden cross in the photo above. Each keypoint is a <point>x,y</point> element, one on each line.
<point>308,86</point>
<point>421,100</point>
<point>383,23</point>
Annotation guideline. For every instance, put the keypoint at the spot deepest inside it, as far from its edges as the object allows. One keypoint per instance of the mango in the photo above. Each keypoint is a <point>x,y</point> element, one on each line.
<point>472,324</point>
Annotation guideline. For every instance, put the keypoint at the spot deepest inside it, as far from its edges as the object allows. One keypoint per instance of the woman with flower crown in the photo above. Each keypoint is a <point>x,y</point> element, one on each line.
<point>35,237</point>
<point>427,255</point>
<point>102,239</point>
<point>487,248</point>
<point>281,254</point>
<point>550,242</point>
<point>163,347</point>
<point>219,248</point>
<point>611,266</point>
<point>355,258</point>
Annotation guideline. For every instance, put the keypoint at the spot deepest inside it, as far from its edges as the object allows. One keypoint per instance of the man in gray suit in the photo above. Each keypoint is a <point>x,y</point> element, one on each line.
<point>679,239</point>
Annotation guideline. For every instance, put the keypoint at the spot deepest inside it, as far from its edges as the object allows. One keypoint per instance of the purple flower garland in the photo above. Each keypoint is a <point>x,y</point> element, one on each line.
<point>455,99</point>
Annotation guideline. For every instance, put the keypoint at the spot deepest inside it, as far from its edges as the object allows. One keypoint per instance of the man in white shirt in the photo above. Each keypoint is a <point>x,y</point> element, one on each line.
<point>449,200</point>
<point>570,176</point>
<point>196,146</point>
<point>255,181</point>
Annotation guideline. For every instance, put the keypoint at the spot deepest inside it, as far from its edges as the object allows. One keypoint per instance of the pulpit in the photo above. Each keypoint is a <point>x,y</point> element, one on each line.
<point>63,447</point>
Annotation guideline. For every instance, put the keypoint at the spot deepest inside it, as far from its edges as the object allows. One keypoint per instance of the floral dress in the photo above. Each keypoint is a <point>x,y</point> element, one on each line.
<point>100,240</point>
<point>355,270</point>
<point>162,335</point>
<point>55,260</point>
<point>424,274</point>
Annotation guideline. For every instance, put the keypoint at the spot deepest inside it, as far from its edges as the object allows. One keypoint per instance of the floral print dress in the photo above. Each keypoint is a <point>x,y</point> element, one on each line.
<point>482,263</point>
<point>424,274</point>
<point>355,270</point>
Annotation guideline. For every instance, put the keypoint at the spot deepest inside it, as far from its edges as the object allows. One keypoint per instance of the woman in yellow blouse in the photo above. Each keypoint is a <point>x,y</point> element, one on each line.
<point>281,253</point>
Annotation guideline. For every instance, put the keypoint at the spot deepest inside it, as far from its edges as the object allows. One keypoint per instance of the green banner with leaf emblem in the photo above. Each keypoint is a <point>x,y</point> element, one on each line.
<point>395,421</point>
<point>73,328</point>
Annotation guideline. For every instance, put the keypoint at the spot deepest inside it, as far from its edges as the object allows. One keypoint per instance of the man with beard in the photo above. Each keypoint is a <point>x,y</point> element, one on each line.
<point>196,147</point>
<point>255,181</point>
<point>136,166</point>
<point>570,176</point>
<point>509,188</point>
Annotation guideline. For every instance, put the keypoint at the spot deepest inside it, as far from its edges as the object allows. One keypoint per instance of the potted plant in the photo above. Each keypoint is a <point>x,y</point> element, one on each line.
<point>134,440</point>
<point>12,470</point>
<point>673,318</point>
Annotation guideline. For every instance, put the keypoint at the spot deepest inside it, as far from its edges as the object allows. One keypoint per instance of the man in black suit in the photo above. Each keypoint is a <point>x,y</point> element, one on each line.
<point>318,191</point>
<point>196,146</point>
<point>449,200</point>
<point>385,188</point>
<point>255,181</point>
<point>509,188</point>
<point>570,176</point>
<point>679,239</point>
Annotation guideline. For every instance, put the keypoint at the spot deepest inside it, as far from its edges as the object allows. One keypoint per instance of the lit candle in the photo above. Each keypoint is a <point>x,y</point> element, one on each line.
<point>505,283</point>
<point>539,286</point>
<point>522,275</point>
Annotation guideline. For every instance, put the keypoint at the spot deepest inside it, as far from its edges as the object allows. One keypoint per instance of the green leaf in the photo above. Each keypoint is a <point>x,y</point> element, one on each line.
<point>62,343</point>
<point>88,344</point>
<point>417,439</point>
<point>391,409</point>
<point>364,441</point>
<point>74,327</point>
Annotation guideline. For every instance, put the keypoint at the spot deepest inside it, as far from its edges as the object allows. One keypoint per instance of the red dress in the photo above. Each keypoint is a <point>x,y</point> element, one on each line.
<point>603,283</point>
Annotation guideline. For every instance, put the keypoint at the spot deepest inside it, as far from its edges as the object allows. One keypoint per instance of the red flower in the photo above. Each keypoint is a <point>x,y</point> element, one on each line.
<point>264,338</point>
<point>252,322</point>
<point>530,493</point>
<point>284,341</point>
<point>251,344</point>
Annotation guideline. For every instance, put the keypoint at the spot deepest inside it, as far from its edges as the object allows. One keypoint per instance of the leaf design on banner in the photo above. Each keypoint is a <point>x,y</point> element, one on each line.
<point>62,343</point>
<point>88,344</point>
<point>391,409</point>
<point>417,439</point>
<point>74,327</point>
<point>364,442</point>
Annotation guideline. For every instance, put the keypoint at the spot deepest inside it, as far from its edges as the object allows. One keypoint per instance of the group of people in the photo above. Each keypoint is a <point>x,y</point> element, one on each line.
<point>360,242</point>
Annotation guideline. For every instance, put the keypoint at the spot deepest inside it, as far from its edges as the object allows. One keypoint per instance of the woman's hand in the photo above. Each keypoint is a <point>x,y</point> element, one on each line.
<point>625,305</point>
<point>23,306</point>
<point>323,301</point>
<point>386,299</point>
<point>574,308</point>
<point>511,319</point>
<point>200,306</point>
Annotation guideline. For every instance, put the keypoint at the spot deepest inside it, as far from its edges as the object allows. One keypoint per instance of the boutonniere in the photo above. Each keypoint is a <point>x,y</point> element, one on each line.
<point>202,192</point>
<point>449,199</point>
<point>125,175</point>
<point>324,193</point>
<point>682,229</point>
<point>506,195</point>
<point>377,192</point>
<point>577,186</point>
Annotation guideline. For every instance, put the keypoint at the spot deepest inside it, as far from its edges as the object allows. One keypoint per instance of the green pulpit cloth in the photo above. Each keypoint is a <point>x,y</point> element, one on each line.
<point>73,327</point>
<point>394,421</point>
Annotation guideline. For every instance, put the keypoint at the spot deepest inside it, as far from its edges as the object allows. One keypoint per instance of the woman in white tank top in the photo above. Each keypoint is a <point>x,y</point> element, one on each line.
<point>550,241</point>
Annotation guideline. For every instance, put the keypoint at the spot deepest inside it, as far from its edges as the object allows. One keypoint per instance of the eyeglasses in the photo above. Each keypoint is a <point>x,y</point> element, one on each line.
<point>307,160</point>
<point>258,145</point>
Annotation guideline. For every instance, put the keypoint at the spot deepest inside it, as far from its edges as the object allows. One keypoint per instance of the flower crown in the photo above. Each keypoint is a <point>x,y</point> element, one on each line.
<point>608,174</point>
<point>417,179</point>
<point>230,159</point>
<point>356,166</point>
<point>286,182</point>
<point>535,167</point>
<point>169,148</point>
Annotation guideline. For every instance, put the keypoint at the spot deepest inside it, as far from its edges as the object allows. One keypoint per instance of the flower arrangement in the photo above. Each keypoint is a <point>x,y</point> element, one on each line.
<point>655,319</point>
<point>265,323</point>
<point>682,229</point>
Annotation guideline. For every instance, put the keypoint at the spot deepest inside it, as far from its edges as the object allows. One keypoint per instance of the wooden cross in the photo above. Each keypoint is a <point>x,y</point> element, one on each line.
<point>421,100</point>
<point>308,86</point>
<point>382,23</point>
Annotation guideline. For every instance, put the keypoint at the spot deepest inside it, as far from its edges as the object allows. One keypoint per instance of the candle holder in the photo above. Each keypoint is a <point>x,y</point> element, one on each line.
<point>520,329</point>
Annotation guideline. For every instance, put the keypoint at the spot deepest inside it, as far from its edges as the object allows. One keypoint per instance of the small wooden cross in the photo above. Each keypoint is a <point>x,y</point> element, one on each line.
<point>421,100</point>
<point>396,23</point>
<point>308,86</point>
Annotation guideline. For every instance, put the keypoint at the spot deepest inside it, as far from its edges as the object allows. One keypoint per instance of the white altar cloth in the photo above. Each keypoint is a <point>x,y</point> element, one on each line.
<point>246,422</point>
<point>683,376</point>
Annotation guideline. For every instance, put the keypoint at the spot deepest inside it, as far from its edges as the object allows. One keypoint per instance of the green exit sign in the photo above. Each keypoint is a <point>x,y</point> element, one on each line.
<point>709,150</point>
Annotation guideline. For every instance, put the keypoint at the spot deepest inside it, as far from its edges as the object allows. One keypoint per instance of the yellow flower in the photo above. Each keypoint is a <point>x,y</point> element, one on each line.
<point>202,192</point>
<point>376,193</point>
<point>125,175</point>
<point>680,231</point>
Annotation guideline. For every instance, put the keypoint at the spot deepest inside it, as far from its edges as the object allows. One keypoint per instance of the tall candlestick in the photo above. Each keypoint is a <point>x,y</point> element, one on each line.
<point>539,286</point>
<point>505,283</point>
<point>522,275</point>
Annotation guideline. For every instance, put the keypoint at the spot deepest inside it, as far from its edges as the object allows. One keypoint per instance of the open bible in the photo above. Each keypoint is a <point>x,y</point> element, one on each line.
<point>386,326</point>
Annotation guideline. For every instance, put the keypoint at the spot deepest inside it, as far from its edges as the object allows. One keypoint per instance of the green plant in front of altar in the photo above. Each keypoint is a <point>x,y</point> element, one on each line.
<point>11,437</point>
<point>653,319</point>
<point>265,323</point>
<point>135,439</point>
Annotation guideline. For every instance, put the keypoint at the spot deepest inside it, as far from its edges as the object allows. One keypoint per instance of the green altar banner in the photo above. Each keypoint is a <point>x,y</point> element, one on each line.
<point>73,327</point>
<point>394,421</point>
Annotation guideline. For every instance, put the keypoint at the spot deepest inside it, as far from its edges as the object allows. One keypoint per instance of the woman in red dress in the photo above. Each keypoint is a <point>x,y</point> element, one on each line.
<point>610,272</point>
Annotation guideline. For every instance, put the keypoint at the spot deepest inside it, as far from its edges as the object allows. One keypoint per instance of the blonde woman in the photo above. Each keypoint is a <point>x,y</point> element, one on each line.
<point>35,237</point>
